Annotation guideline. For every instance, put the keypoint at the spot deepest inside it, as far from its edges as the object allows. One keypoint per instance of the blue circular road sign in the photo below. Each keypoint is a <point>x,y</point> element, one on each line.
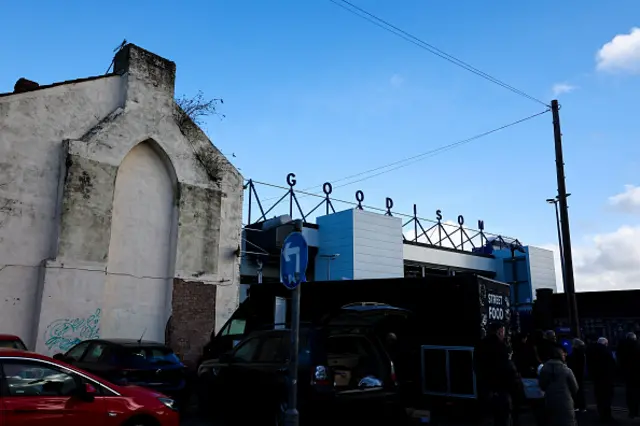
<point>294,259</point>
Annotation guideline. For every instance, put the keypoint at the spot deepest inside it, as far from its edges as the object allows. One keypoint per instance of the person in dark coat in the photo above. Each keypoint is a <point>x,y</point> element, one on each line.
<point>496,375</point>
<point>628,355</point>
<point>547,347</point>
<point>536,339</point>
<point>560,387</point>
<point>524,356</point>
<point>577,362</point>
<point>602,368</point>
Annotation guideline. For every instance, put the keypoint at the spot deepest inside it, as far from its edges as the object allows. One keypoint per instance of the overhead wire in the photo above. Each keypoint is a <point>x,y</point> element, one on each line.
<point>419,157</point>
<point>387,26</point>
<point>414,159</point>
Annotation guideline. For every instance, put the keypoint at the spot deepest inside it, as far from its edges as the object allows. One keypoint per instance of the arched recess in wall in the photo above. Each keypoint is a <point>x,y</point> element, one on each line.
<point>142,249</point>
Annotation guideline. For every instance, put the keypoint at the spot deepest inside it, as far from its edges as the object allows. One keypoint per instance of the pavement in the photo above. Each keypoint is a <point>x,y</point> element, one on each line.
<point>589,418</point>
<point>618,408</point>
<point>193,421</point>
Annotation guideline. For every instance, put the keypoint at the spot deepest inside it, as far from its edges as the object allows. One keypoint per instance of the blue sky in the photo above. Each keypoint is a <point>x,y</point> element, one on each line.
<point>312,89</point>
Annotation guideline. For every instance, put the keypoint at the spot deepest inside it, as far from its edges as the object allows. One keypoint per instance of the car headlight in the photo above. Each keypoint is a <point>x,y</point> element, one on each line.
<point>169,403</point>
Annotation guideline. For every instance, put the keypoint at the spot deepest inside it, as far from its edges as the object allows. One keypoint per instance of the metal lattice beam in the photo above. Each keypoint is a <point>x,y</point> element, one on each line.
<point>437,233</point>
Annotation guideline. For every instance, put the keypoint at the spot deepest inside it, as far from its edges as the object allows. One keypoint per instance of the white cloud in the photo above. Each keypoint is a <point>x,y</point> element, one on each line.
<point>622,53</point>
<point>608,261</point>
<point>396,80</point>
<point>627,201</point>
<point>560,88</point>
<point>605,261</point>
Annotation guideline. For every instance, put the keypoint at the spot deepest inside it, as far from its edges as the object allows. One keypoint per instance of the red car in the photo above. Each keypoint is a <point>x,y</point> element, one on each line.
<point>12,342</point>
<point>37,390</point>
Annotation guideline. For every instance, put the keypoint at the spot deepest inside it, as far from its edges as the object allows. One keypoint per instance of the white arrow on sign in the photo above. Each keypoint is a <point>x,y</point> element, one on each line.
<point>292,251</point>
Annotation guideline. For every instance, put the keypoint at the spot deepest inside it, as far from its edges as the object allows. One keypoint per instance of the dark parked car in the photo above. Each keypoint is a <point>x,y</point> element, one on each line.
<point>131,362</point>
<point>9,341</point>
<point>344,371</point>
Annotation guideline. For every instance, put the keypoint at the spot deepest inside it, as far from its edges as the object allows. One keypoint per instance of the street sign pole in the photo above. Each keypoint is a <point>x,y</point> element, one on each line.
<point>293,265</point>
<point>292,416</point>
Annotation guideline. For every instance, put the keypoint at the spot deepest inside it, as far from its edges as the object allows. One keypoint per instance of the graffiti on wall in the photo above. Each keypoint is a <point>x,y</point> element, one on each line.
<point>63,333</point>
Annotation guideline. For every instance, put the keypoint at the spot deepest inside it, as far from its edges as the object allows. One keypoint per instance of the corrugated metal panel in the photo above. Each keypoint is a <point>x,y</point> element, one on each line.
<point>437,256</point>
<point>542,269</point>
<point>377,246</point>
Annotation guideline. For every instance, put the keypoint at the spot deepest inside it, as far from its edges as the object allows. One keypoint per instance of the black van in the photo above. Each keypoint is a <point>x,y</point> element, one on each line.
<point>449,315</point>
<point>449,310</point>
<point>345,370</point>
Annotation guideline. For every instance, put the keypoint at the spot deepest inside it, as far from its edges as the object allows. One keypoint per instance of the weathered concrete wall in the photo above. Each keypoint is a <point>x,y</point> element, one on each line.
<point>32,128</point>
<point>71,305</point>
<point>200,208</point>
<point>85,216</point>
<point>137,292</point>
<point>80,286</point>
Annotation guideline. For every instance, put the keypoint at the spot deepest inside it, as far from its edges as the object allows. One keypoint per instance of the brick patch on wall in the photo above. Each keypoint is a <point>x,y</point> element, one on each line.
<point>192,320</point>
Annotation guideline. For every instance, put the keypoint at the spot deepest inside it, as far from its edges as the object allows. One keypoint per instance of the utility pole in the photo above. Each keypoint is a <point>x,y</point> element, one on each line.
<point>570,288</point>
<point>554,201</point>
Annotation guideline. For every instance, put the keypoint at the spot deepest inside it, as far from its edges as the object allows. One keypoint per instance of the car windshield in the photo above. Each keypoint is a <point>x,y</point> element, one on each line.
<point>13,344</point>
<point>140,357</point>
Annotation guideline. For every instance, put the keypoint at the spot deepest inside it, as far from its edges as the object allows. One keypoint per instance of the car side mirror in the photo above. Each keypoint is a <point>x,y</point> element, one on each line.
<point>88,392</point>
<point>59,357</point>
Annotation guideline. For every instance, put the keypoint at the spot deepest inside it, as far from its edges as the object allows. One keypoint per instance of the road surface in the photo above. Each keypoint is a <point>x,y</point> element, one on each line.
<point>587,419</point>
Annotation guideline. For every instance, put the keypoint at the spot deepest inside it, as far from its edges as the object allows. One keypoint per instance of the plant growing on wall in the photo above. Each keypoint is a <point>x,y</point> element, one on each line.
<point>197,107</point>
<point>189,114</point>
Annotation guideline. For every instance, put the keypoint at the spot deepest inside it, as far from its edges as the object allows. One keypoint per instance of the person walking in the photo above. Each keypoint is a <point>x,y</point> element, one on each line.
<point>559,385</point>
<point>546,346</point>
<point>577,362</point>
<point>628,355</point>
<point>602,368</point>
<point>524,356</point>
<point>496,375</point>
<point>536,340</point>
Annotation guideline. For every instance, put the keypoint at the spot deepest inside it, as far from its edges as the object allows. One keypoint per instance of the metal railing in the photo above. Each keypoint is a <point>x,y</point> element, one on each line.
<point>419,230</point>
